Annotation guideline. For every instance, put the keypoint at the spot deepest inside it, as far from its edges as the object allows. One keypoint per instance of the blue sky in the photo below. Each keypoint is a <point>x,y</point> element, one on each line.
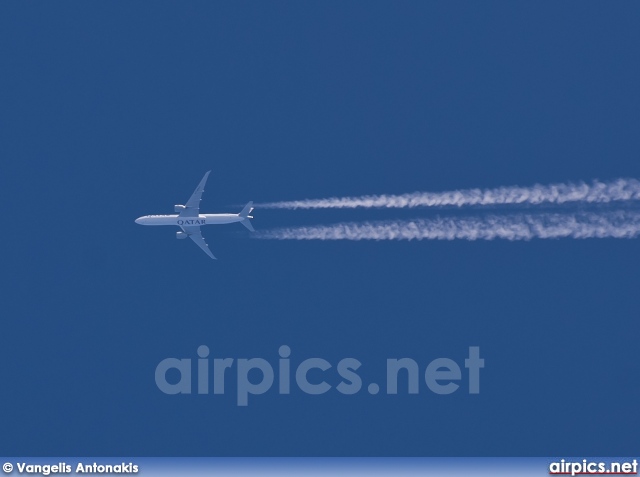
<point>110,111</point>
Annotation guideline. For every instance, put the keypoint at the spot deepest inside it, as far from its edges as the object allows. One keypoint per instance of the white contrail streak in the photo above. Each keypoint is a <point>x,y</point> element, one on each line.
<point>596,192</point>
<point>617,224</point>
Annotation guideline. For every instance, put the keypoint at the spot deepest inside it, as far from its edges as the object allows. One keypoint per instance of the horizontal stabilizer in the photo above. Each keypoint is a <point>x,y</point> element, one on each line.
<point>247,210</point>
<point>247,224</point>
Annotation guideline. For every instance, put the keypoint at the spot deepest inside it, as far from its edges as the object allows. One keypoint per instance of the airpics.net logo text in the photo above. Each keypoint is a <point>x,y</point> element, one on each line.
<point>256,376</point>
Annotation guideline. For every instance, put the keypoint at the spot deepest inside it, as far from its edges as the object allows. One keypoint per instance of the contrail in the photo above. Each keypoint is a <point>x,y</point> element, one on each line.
<point>616,224</point>
<point>596,192</point>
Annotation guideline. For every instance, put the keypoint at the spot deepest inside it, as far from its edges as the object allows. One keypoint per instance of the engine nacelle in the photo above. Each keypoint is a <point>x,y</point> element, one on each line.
<point>179,208</point>
<point>181,235</point>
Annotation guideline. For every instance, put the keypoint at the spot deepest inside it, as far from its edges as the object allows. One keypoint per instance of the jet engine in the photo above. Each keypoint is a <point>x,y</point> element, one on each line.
<point>179,208</point>
<point>181,235</point>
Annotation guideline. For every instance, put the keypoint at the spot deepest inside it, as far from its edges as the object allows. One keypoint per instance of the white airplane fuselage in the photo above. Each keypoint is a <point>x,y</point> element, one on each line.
<point>201,219</point>
<point>189,219</point>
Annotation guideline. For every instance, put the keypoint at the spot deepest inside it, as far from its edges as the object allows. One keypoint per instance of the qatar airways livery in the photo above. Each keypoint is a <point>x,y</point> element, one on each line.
<point>189,218</point>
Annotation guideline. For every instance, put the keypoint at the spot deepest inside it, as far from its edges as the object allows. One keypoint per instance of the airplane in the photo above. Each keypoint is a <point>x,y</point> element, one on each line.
<point>189,218</point>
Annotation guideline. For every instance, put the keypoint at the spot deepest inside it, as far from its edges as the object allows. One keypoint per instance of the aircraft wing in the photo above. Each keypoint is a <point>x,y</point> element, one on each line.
<point>193,204</point>
<point>196,236</point>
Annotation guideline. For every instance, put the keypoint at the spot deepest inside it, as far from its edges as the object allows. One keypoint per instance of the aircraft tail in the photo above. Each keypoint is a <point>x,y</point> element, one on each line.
<point>247,224</point>
<point>244,213</point>
<point>247,210</point>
